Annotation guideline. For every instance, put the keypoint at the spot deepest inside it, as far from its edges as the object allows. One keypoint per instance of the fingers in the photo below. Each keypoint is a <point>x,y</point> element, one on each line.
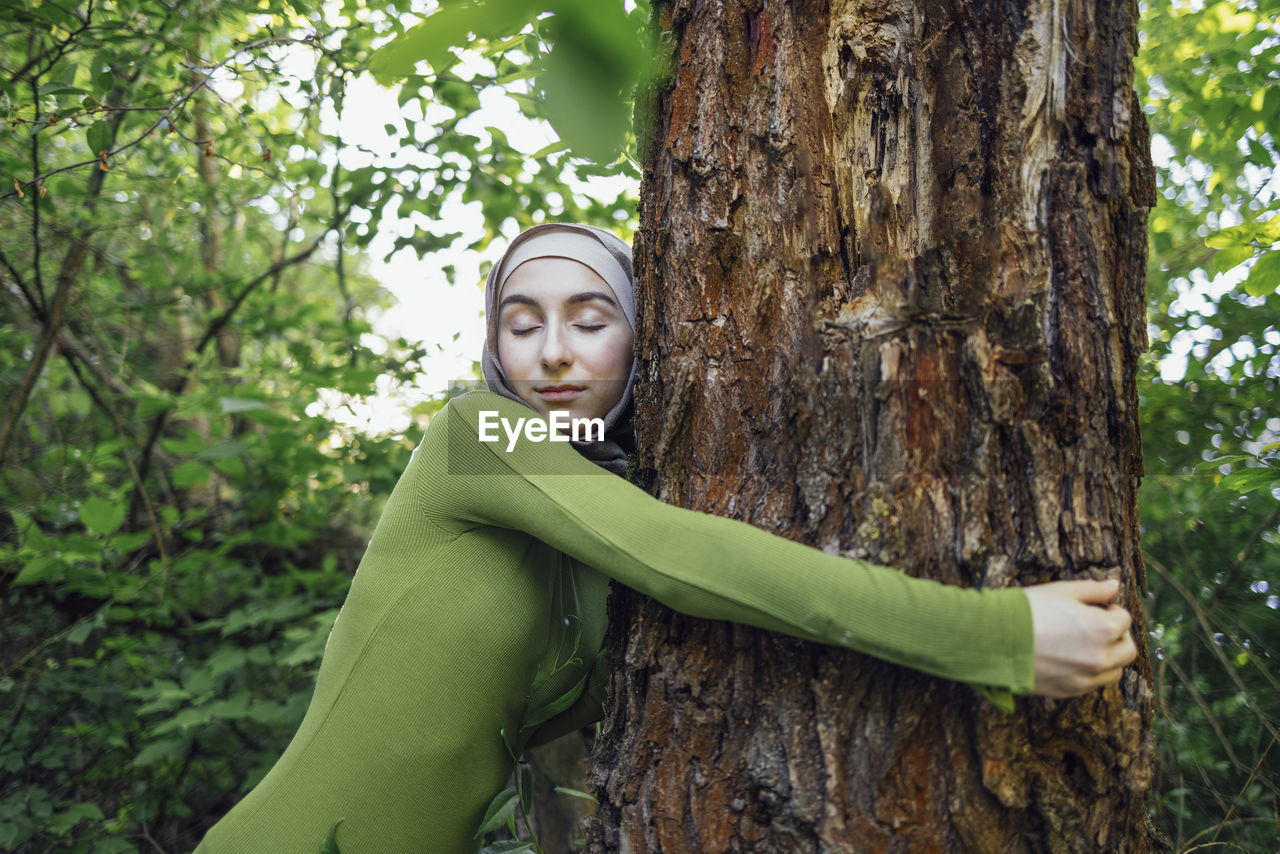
<point>1083,642</point>
<point>1119,656</point>
<point>1129,649</point>
<point>1110,667</point>
<point>1110,677</point>
<point>1094,592</point>
<point>1118,619</point>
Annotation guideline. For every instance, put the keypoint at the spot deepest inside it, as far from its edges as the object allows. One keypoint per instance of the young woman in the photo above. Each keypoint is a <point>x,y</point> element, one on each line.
<point>480,603</point>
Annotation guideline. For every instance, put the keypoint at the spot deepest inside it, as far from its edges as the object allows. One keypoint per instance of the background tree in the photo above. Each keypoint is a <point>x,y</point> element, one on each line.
<point>892,260</point>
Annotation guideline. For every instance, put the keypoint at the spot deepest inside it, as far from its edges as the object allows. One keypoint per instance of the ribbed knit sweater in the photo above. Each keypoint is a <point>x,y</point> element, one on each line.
<point>484,568</point>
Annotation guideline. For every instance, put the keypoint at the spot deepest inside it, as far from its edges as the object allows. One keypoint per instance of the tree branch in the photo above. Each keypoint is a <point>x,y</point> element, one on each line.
<point>35,200</point>
<point>18,400</point>
<point>67,274</point>
<point>21,284</point>
<point>1243,557</point>
<point>100,157</point>
<point>220,322</point>
<point>106,407</point>
<point>58,52</point>
<point>1202,617</point>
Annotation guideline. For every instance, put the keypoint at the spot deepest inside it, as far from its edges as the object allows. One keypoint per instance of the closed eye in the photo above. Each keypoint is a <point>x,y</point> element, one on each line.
<point>524,331</point>
<point>587,327</point>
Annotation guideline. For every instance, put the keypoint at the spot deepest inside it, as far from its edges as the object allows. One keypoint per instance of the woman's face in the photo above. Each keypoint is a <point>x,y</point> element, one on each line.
<point>563,340</point>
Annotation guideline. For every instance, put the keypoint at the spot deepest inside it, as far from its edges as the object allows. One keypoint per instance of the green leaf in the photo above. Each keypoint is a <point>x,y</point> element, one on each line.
<point>190,473</point>
<point>1231,257</point>
<point>329,845</point>
<point>224,450</point>
<point>227,659</point>
<point>507,846</point>
<point>549,711</point>
<point>542,153</point>
<point>37,569</point>
<point>430,41</point>
<point>525,771</point>
<point>1249,479</point>
<point>1264,276</point>
<point>574,793</point>
<point>165,750</point>
<point>98,136</point>
<point>1001,698</point>
<point>101,516</point>
<point>58,87</point>
<point>502,807</point>
<point>64,821</point>
<point>79,632</point>
<point>235,708</point>
<point>104,80</point>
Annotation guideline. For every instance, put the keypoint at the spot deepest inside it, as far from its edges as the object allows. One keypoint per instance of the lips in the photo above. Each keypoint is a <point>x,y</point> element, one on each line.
<point>559,393</point>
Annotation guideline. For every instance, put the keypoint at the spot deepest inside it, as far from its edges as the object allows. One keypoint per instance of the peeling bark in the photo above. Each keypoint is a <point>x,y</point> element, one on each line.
<point>891,268</point>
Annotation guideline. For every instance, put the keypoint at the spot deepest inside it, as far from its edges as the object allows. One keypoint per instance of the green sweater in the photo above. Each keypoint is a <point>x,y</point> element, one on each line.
<point>485,566</point>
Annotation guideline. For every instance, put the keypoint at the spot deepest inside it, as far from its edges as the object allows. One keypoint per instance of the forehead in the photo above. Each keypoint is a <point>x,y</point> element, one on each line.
<point>553,278</point>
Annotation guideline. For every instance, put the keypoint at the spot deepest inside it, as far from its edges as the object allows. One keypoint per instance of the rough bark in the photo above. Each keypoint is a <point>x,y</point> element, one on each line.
<point>891,263</point>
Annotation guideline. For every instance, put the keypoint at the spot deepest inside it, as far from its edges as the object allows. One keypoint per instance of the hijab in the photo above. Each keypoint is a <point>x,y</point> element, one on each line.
<point>610,259</point>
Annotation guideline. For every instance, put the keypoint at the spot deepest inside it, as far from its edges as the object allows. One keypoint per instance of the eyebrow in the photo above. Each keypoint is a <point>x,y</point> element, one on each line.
<point>585,296</point>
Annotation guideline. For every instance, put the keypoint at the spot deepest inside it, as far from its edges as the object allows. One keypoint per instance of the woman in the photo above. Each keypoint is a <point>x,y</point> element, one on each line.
<point>474,623</point>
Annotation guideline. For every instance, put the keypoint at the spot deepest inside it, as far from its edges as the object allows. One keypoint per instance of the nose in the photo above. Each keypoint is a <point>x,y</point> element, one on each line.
<point>556,354</point>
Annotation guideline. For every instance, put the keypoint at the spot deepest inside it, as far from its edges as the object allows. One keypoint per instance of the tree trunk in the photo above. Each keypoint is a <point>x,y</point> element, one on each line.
<point>891,263</point>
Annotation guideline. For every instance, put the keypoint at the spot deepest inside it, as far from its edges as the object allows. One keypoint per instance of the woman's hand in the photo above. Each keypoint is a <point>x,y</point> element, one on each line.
<point>1078,645</point>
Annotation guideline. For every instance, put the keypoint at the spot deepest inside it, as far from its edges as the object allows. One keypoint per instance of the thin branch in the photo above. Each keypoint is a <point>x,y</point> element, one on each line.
<point>105,405</point>
<point>1202,619</point>
<point>35,201</point>
<point>67,274</point>
<point>146,834</point>
<point>59,51</point>
<point>56,636</point>
<point>1206,711</point>
<point>18,399</point>
<point>100,157</point>
<point>1244,788</point>
<point>340,269</point>
<point>70,345</point>
<point>1243,557</point>
<point>220,322</point>
<point>19,282</point>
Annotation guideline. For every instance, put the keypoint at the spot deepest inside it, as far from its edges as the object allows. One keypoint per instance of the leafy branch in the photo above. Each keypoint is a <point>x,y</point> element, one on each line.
<point>103,155</point>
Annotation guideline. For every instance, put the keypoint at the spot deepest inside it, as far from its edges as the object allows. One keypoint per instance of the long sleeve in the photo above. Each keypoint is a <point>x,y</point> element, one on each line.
<point>479,607</point>
<point>717,568</point>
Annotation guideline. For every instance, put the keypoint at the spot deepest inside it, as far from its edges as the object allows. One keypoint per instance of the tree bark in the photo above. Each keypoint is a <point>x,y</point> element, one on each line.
<point>891,262</point>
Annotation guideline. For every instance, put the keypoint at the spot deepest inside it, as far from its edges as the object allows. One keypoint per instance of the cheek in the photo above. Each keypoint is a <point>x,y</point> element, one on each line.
<point>513,356</point>
<point>620,357</point>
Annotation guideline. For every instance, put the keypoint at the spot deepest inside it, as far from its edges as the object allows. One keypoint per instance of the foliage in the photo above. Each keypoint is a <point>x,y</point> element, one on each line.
<point>181,236</point>
<point>1210,75</point>
<point>585,59</point>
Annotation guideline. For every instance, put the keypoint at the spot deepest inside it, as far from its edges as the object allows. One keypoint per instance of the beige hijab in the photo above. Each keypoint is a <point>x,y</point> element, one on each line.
<point>610,259</point>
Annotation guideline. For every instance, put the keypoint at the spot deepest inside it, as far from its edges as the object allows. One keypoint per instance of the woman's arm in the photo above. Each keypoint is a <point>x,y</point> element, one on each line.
<point>719,568</point>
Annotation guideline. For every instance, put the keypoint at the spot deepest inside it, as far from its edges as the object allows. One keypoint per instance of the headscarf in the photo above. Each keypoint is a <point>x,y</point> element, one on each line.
<point>610,259</point>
